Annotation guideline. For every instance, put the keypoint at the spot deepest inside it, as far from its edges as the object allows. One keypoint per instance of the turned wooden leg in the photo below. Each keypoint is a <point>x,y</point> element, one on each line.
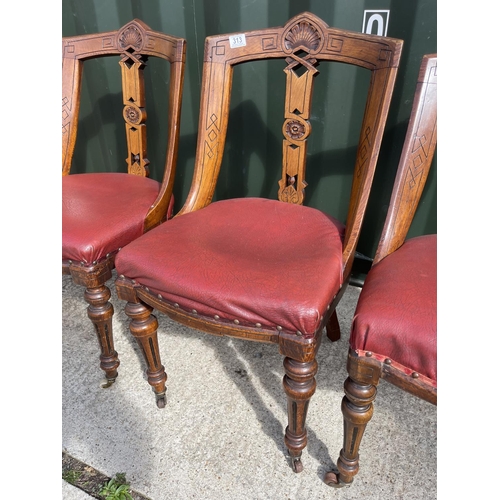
<point>144,326</point>
<point>100,312</point>
<point>333,327</point>
<point>357,407</point>
<point>300,385</point>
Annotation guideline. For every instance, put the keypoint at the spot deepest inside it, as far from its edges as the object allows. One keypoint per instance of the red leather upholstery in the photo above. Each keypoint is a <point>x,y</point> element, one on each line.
<point>93,226</point>
<point>396,312</point>
<point>222,263</point>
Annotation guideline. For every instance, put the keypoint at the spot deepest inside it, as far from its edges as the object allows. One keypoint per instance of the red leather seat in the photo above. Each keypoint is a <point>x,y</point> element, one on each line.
<point>223,265</point>
<point>95,226</point>
<point>396,315</point>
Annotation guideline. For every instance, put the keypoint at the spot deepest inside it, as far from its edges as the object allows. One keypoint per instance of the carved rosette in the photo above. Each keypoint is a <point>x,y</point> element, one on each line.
<point>131,37</point>
<point>295,129</point>
<point>134,115</point>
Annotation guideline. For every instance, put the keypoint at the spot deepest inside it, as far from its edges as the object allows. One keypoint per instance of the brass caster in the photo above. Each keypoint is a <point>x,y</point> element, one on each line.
<point>161,400</point>
<point>109,382</point>
<point>332,479</point>
<point>297,465</point>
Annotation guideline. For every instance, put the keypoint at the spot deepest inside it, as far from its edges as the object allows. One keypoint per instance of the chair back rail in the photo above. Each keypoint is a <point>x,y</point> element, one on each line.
<point>303,43</point>
<point>415,162</point>
<point>135,42</point>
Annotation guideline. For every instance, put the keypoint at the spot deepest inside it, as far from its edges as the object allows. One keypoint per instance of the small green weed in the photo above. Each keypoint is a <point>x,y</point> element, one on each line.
<point>71,476</point>
<point>120,478</point>
<point>116,489</point>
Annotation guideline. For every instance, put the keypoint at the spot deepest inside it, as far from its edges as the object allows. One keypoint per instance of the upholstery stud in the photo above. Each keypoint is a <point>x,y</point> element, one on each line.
<point>387,361</point>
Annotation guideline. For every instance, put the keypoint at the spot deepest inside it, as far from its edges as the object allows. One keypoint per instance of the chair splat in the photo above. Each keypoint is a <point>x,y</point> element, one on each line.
<point>134,113</point>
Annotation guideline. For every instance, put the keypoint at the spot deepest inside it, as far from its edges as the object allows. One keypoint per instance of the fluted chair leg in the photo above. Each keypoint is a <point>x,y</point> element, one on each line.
<point>100,311</point>
<point>360,390</point>
<point>299,384</point>
<point>143,327</point>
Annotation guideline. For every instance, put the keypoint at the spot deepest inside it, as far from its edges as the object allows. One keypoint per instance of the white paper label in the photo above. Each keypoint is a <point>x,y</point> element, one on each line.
<point>237,41</point>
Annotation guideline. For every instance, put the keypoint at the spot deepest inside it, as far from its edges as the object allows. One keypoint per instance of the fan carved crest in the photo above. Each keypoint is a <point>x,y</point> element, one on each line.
<point>303,35</point>
<point>130,37</point>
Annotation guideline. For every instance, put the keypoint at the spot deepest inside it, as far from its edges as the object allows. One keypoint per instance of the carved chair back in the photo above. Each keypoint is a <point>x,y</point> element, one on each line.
<point>415,162</point>
<point>134,43</point>
<point>303,43</point>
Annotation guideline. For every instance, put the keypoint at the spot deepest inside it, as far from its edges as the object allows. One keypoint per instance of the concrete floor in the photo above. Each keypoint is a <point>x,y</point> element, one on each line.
<point>221,433</point>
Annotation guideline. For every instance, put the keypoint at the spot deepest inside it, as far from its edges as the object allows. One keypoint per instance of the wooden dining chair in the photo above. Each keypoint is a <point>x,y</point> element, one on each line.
<point>104,211</point>
<point>255,268</point>
<point>393,335</point>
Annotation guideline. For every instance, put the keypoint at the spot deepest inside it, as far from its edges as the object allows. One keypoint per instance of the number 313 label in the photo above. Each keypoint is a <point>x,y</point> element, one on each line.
<point>237,41</point>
